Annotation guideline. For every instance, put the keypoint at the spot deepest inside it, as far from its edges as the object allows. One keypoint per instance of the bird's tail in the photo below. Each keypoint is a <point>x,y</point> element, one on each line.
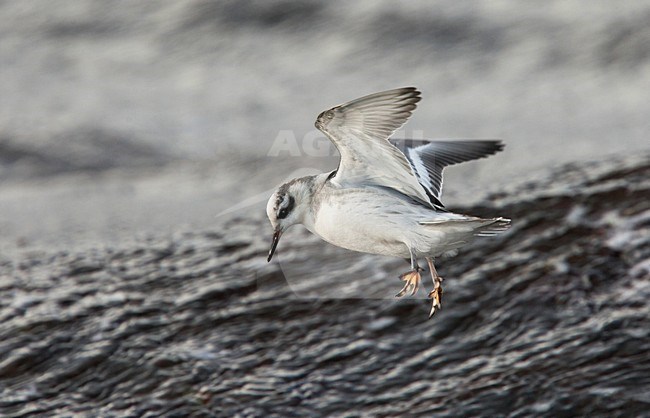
<point>478,226</point>
<point>494,227</point>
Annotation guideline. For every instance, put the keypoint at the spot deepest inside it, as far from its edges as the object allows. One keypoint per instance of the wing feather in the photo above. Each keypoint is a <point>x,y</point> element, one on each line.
<point>429,158</point>
<point>360,130</point>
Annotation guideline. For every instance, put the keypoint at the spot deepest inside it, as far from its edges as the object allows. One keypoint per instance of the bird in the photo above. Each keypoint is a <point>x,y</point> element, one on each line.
<point>385,195</point>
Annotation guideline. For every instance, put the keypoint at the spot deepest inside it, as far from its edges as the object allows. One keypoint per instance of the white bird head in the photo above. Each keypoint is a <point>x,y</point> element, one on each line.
<point>287,206</point>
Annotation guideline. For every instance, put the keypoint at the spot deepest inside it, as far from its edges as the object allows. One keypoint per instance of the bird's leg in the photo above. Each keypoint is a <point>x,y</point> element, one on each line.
<point>436,294</point>
<point>412,278</point>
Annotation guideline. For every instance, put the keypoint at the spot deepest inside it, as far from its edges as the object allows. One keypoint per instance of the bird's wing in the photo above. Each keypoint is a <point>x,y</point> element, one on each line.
<point>429,158</point>
<point>360,130</point>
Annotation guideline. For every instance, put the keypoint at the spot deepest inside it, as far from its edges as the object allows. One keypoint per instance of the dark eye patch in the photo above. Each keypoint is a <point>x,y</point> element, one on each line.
<point>284,212</point>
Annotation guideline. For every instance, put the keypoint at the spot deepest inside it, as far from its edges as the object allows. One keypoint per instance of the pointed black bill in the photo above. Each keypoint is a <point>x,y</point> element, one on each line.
<point>274,244</point>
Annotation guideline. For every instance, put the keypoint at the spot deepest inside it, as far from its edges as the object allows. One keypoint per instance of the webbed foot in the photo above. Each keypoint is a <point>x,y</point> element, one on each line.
<point>436,297</point>
<point>412,279</point>
<point>436,294</point>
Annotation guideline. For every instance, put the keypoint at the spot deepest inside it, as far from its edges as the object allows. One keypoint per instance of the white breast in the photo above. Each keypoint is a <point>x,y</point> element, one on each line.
<point>364,220</point>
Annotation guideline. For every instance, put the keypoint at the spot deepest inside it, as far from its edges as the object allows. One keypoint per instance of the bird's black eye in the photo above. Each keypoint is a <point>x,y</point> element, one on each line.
<point>284,212</point>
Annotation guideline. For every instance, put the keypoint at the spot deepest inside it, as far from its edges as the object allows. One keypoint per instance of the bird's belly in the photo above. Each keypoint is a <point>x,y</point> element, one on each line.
<point>361,230</point>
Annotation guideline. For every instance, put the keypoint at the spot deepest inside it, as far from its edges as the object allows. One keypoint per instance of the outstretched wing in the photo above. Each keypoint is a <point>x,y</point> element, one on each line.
<point>429,158</point>
<point>360,130</point>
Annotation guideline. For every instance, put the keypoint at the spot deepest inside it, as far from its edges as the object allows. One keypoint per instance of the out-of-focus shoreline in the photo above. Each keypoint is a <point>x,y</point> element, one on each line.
<point>199,324</point>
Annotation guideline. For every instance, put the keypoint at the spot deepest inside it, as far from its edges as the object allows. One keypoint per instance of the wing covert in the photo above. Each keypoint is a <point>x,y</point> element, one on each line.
<point>360,130</point>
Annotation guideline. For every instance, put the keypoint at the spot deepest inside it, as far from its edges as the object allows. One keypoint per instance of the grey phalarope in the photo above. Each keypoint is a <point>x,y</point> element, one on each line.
<point>384,197</point>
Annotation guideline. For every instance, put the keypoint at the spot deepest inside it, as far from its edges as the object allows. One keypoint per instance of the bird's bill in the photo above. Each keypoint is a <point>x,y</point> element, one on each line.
<point>274,244</point>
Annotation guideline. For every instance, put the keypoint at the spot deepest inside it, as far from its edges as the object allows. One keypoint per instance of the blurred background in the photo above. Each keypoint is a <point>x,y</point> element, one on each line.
<point>139,142</point>
<point>121,118</point>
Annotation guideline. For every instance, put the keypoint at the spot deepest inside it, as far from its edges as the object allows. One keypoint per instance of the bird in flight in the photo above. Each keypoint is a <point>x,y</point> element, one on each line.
<point>385,196</point>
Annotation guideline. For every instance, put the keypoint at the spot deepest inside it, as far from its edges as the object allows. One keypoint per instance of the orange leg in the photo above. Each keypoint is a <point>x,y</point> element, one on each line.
<point>436,294</point>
